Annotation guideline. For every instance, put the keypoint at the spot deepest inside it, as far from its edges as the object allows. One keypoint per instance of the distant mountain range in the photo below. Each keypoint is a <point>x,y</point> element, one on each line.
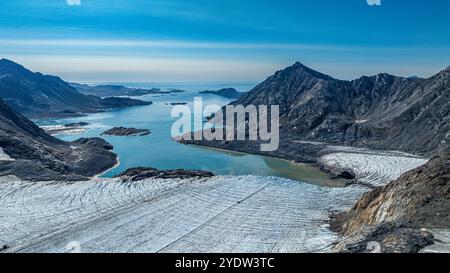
<point>111,90</point>
<point>229,93</point>
<point>38,96</point>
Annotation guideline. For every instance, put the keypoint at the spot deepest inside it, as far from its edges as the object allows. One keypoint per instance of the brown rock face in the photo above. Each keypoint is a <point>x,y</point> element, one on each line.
<point>420,199</point>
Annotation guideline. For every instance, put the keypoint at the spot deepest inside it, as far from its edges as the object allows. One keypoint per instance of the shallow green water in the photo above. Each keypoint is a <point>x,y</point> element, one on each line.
<point>160,151</point>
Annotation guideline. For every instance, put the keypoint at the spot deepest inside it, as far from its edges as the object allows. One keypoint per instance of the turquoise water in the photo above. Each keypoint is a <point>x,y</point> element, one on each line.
<point>160,151</point>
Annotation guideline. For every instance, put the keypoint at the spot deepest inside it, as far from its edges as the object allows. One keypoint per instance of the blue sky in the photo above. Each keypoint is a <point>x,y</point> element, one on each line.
<point>234,40</point>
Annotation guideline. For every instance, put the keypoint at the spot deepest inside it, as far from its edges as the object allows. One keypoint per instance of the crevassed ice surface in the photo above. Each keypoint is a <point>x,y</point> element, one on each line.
<point>374,168</point>
<point>221,214</point>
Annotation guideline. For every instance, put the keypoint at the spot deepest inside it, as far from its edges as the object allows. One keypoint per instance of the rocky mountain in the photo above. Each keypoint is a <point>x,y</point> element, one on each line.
<point>111,90</point>
<point>381,112</point>
<point>229,93</point>
<point>36,156</point>
<point>36,95</point>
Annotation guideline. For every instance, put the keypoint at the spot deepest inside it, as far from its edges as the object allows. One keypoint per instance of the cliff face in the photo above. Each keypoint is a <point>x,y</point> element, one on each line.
<point>39,157</point>
<point>382,111</point>
<point>420,199</point>
<point>36,95</point>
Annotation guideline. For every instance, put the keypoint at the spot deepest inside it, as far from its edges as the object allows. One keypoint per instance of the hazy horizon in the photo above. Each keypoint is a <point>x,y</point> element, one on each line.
<point>223,41</point>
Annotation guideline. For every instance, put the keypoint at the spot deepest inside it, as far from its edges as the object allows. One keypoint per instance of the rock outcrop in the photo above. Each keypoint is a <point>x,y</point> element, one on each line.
<point>39,96</point>
<point>141,173</point>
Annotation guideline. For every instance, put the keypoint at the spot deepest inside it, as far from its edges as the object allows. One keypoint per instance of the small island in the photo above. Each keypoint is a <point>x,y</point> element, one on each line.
<point>77,124</point>
<point>176,103</point>
<point>122,131</point>
<point>66,129</point>
<point>229,93</point>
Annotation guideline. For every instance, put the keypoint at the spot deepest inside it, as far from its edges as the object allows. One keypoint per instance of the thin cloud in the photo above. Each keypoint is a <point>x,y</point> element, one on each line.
<point>125,68</point>
<point>180,44</point>
<point>74,2</point>
<point>374,2</point>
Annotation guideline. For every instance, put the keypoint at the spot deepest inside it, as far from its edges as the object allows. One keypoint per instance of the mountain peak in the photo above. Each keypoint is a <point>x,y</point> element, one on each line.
<point>8,66</point>
<point>6,62</point>
<point>298,66</point>
<point>444,73</point>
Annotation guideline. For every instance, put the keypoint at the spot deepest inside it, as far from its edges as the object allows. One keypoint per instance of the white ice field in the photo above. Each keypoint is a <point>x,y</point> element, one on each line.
<point>222,214</point>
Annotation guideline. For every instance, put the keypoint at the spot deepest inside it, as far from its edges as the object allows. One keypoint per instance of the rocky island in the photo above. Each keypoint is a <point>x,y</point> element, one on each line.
<point>123,131</point>
<point>176,103</point>
<point>229,93</point>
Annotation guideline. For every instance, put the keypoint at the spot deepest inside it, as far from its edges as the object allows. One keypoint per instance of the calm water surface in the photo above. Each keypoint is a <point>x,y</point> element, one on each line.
<point>160,151</point>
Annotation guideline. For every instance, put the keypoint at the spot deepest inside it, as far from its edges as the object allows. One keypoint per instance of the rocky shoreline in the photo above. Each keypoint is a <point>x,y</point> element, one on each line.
<point>37,156</point>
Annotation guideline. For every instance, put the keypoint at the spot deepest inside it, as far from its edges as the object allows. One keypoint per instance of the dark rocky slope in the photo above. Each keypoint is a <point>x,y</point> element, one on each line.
<point>379,112</point>
<point>36,95</point>
<point>39,157</point>
<point>397,214</point>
